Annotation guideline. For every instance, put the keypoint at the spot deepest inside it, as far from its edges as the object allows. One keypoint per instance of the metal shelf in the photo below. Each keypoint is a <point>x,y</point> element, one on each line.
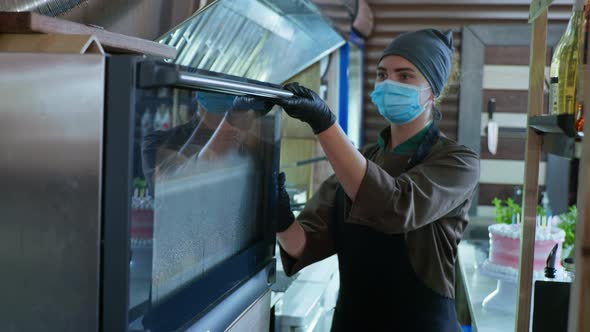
<point>559,135</point>
<point>561,145</point>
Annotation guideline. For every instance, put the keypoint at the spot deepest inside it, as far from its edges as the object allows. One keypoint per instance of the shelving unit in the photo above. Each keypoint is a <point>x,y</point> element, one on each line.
<point>554,134</point>
<point>559,135</point>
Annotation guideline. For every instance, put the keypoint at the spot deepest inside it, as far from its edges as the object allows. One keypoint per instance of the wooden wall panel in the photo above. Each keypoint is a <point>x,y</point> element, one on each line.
<point>507,101</point>
<point>510,55</point>
<point>509,148</point>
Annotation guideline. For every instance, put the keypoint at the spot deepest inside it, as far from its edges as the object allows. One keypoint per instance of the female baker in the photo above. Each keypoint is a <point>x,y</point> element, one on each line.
<point>395,211</point>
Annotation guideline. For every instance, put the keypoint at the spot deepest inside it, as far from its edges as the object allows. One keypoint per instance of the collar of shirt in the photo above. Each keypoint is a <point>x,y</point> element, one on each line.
<point>408,147</point>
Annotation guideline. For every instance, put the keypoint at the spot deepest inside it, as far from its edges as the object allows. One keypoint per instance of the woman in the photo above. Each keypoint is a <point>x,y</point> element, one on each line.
<point>394,212</point>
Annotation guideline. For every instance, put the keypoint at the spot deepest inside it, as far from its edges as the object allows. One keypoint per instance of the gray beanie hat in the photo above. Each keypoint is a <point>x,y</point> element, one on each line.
<point>430,50</point>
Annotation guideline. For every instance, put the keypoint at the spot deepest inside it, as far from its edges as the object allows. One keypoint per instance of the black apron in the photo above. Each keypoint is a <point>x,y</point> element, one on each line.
<point>379,290</point>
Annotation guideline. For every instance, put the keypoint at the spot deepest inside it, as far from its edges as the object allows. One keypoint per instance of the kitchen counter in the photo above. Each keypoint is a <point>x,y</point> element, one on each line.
<point>478,287</point>
<point>306,301</point>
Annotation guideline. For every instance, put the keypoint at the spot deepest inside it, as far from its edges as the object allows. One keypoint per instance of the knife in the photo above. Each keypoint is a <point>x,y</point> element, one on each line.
<point>492,127</point>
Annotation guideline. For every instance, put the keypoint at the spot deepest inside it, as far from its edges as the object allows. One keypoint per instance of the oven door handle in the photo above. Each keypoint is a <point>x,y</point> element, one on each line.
<point>152,75</point>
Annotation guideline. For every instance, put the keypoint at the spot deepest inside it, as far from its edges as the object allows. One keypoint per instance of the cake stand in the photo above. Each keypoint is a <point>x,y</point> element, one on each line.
<point>503,298</point>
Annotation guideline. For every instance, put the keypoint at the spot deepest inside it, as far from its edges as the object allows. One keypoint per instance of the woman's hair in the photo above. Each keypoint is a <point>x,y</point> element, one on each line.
<point>452,85</point>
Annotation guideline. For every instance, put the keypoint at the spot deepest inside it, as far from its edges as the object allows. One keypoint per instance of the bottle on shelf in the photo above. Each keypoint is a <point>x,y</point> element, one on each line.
<point>583,65</point>
<point>565,64</point>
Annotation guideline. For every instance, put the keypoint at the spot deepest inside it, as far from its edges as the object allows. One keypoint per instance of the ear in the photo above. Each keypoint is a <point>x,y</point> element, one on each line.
<point>431,96</point>
<point>429,104</point>
<point>430,99</point>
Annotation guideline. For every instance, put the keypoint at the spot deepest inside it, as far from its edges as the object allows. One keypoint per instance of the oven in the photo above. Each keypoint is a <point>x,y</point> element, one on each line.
<point>189,193</point>
<point>138,195</point>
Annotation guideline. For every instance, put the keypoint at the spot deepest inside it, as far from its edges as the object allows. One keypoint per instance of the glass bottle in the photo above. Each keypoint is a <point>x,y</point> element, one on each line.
<point>583,65</point>
<point>565,64</point>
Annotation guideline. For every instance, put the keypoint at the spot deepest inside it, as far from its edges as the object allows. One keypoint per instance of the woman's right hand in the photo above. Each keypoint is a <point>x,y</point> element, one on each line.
<point>308,107</point>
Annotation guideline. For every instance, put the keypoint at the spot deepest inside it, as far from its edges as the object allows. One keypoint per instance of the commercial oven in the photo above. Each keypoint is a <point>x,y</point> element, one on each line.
<point>201,207</point>
<point>137,195</point>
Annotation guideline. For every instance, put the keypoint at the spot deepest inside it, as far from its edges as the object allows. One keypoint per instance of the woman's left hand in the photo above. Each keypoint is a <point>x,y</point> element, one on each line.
<point>308,107</point>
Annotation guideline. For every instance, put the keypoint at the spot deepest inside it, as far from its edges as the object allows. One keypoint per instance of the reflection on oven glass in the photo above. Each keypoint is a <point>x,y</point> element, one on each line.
<point>197,185</point>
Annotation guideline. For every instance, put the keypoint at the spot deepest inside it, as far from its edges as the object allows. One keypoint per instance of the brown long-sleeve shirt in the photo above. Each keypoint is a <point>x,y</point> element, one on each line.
<point>428,203</point>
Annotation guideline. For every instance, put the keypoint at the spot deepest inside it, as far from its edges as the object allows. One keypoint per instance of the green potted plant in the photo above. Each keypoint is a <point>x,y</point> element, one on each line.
<point>568,224</point>
<point>506,209</point>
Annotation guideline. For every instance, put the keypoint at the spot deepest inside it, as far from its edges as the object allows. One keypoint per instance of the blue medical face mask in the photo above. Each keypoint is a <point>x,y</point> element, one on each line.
<point>397,102</point>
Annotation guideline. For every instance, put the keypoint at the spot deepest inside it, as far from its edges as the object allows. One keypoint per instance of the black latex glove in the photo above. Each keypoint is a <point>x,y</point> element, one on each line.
<point>308,107</point>
<point>246,109</point>
<point>285,216</point>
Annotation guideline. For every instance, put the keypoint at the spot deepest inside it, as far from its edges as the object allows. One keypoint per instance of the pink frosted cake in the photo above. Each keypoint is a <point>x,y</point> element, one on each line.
<point>505,249</point>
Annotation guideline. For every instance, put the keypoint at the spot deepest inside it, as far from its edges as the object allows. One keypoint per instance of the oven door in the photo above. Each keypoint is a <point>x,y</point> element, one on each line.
<point>189,193</point>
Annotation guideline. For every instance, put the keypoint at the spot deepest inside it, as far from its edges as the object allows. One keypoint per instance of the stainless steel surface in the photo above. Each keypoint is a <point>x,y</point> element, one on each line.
<point>256,318</point>
<point>126,17</point>
<point>258,39</point>
<point>45,7</point>
<point>301,306</point>
<point>148,19</point>
<point>249,44</point>
<point>129,17</point>
<point>309,298</point>
<point>50,161</point>
<point>245,309</point>
<point>200,81</point>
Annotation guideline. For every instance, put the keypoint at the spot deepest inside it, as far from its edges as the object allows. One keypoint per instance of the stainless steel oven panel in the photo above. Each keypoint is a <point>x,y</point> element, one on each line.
<point>50,195</point>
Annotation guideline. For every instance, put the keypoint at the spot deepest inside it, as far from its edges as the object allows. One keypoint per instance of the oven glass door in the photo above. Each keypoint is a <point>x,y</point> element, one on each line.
<point>203,167</point>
